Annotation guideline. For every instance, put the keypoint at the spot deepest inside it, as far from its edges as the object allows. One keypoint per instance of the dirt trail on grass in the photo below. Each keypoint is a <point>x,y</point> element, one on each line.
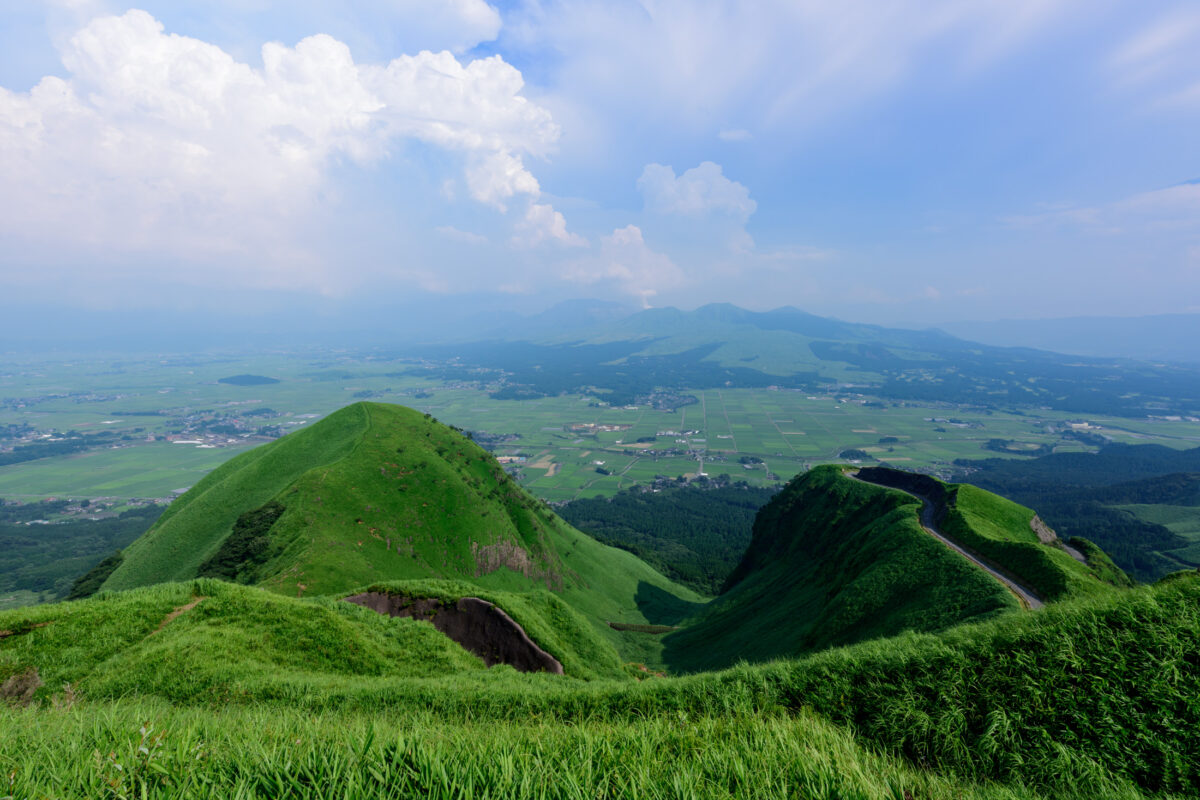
<point>1025,595</point>
<point>181,610</point>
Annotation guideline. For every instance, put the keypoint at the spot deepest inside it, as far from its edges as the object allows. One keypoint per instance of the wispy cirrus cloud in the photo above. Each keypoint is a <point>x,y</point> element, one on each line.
<point>1172,209</point>
<point>1161,59</point>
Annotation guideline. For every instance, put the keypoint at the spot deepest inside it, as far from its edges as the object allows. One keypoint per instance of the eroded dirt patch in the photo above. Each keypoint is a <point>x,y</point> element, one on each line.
<point>181,610</point>
<point>481,627</point>
<point>17,631</point>
<point>19,688</point>
<point>491,557</point>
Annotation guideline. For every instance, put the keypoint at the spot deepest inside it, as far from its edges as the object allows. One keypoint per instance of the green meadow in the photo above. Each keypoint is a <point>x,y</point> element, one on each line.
<point>1090,698</point>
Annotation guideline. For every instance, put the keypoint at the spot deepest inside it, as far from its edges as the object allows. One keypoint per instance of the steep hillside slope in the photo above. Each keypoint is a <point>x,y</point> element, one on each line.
<point>195,525</point>
<point>378,493</point>
<point>834,560</point>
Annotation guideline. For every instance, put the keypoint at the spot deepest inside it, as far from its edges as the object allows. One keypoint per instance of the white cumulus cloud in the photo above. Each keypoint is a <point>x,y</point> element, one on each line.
<point>626,261</point>
<point>698,191</point>
<point>166,145</point>
<point>495,177</point>
<point>543,224</point>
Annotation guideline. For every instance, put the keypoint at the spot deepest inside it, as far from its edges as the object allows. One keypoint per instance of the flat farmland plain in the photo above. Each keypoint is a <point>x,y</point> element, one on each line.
<point>168,421</point>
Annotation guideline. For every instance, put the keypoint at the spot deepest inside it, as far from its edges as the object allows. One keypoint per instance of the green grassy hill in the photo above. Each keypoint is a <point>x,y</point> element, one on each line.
<point>211,641</point>
<point>376,493</point>
<point>834,561</point>
<point>207,688</point>
<point>1093,697</point>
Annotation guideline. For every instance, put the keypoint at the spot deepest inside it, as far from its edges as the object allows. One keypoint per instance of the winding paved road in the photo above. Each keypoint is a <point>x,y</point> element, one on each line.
<point>1025,595</point>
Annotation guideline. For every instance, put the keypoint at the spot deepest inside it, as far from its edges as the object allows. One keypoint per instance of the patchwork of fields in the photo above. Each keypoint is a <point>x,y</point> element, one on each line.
<point>170,421</point>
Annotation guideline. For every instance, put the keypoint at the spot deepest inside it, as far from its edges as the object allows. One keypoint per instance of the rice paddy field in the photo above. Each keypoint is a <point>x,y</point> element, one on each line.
<point>160,414</point>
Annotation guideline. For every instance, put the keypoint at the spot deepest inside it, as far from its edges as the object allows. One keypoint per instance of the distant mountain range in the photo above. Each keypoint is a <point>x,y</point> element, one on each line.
<point>593,348</point>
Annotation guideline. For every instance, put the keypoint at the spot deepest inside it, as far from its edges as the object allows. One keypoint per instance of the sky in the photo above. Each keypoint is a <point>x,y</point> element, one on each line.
<point>888,161</point>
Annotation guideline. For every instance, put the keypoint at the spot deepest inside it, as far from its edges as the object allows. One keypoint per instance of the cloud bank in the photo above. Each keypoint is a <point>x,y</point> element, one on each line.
<point>165,144</point>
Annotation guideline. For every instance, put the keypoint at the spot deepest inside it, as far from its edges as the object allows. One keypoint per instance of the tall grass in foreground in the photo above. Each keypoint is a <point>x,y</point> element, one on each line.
<point>151,750</point>
<point>1078,700</point>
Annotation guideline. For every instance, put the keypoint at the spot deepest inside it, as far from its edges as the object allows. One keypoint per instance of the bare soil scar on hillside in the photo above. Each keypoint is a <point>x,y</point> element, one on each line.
<point>480,627</point>
<point>183,609</point>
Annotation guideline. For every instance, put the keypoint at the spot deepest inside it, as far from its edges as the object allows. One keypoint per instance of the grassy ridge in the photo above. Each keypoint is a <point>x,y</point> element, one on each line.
<point>834,561</point>
<point>1084,699</point>
<point>128,643</point>
<point>1105,684</point>
<point>244,642</point>
<point>193,527</point>
<point>998,529</point>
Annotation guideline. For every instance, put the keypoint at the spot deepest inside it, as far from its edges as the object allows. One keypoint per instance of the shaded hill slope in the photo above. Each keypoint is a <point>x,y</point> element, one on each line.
<point>834,561</point>
<point>378,493</point>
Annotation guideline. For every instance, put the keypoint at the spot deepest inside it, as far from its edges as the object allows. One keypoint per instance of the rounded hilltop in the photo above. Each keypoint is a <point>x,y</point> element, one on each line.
<point>376,493</point>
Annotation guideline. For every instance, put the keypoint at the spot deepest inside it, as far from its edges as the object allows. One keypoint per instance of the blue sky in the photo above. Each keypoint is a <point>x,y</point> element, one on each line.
<point>877,160</point>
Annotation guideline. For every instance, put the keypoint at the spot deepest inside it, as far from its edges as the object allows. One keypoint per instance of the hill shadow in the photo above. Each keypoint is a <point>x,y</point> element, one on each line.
<point>660,607</point>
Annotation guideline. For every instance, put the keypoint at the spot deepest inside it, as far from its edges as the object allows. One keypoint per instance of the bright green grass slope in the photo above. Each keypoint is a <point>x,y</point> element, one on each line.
<point>376,493</point>
<point>242,641</point>
<point>193,526</point>
<point>834,561</point>
<point>998,529</point>
<point>1093,697</point>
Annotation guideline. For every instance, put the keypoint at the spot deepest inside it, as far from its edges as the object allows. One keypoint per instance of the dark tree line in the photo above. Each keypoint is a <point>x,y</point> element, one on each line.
<point>49,558</point>
<point>694,536</point>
